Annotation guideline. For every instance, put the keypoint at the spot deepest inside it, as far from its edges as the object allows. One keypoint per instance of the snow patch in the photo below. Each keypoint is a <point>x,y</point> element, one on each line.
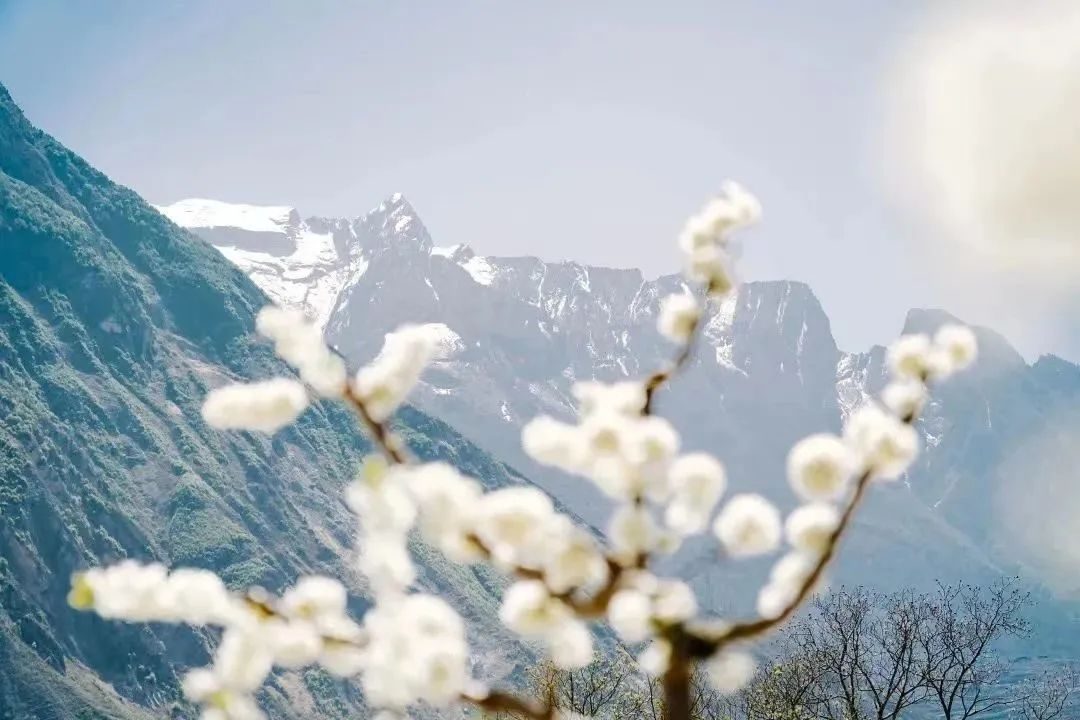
<point>448,342</point>
<point>480,270</point>
<point>445,252</point>
<point>200,212</point>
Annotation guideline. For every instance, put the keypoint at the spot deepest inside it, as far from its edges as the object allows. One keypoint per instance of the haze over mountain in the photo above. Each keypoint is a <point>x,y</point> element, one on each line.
<point>517,332</point>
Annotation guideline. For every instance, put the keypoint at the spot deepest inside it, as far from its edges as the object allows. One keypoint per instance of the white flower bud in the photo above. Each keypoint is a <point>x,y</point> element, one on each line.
<point>314,597</point>
<point>574,560</point>
<point>959,345</point>
<point>810,528</point>
<point>632,531</point>
<point>292,644</point>
<point>697,482</point>
<point>732,209</point>
<point>380,499</point>
<point>626,397</point>
<point>384,560</point>
<point>242,661</point>
<point>571,645</point>
<point>265,406</point>
<point>820,467</point>
<point>300,343</point>
<point>729,671</point>
<point>679,313</point>
<point>711,265</point>
<point>887,445</point>
<point>630,615</point>
<point>513,523</point>
<point>673,602</point>
<point>904,398</point>
<point>385,383</point>
<point>656,658</point>
<point>748,525</point>
<point>528,608</point>
<point>551,442</point>
<point>914,357</point>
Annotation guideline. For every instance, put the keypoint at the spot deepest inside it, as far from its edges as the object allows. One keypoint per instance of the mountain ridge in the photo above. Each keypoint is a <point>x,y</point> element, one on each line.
<point>767,372</point>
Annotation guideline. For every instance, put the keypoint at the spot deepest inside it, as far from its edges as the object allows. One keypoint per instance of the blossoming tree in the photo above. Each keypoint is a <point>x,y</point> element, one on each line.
<point>411,647</point>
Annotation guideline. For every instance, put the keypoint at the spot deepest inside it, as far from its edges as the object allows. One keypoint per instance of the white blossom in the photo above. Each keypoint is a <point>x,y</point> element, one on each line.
<point>630,614</point>
<point>886,445</point>
<point>512,524</point>
<point>219,702</point>
<point>197,597</point>
<point>697,481</point>
<point>904,398</point>
<point>632,531</point>
<point>383,384</point>
<point>300,343</point>
<point>679,313</point>
<point>551,442</point>
<point>242,661</point>
<point>341,654</point>
<point>571,645</point>
<point>729,671</point>
<point>380,498</point>
<point>773,599</point>
<point>384,560</point>
<point>626,397</point>
<point>793,568</point>
<point>573,559</point>
<point>447,501</point>
<point>712,266</point>
<point>416,651</point>
<point>748,525</point>
<point>786,579</point>
<point>913,357</point>
<point>314,598</point>
<point>820,467</point>
<point>136,592</point>
<point>529,608</point>
<point>673,601</point>
<point>958,344</point>
<point>655,659</point>
<point>265,406</point>
<point>704,239</point>
<point>654,443</point>
<point>732,209</point>
<point>292,644</point>
<point>810,528</point>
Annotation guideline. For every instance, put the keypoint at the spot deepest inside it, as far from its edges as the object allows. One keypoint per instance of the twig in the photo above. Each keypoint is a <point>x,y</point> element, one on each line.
<point>379,432</point>
<point>658,378</point>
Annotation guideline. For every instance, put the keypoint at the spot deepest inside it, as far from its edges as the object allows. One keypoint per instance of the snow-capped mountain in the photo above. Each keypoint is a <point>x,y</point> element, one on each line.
<point>299,263</point>
<point>519,331</point>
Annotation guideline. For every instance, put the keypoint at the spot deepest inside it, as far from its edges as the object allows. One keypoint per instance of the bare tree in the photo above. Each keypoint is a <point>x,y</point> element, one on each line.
<point>610,687</point>
<point>1048,696</point>
<point>955,641</point>
<point>856,656</point>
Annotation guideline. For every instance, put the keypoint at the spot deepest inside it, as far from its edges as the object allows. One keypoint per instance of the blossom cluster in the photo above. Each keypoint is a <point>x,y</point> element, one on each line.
<point>411,646</point>
<point>307,624</point>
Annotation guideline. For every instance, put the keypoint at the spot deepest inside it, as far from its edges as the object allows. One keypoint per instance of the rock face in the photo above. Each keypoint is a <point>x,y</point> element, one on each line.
<point>114,323</point>
<point>519,331</point>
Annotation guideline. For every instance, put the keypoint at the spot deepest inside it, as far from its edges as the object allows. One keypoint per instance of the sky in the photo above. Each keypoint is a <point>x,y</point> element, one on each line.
<point>568,130</point>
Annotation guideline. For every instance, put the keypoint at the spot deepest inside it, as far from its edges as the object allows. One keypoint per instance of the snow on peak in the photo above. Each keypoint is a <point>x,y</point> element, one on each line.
<point>203,213</point>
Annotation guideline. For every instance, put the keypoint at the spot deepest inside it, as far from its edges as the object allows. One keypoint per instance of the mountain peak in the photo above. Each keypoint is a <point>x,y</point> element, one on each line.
<point>396,224</point>
<point>991,343</point>
<point>926,320</point>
